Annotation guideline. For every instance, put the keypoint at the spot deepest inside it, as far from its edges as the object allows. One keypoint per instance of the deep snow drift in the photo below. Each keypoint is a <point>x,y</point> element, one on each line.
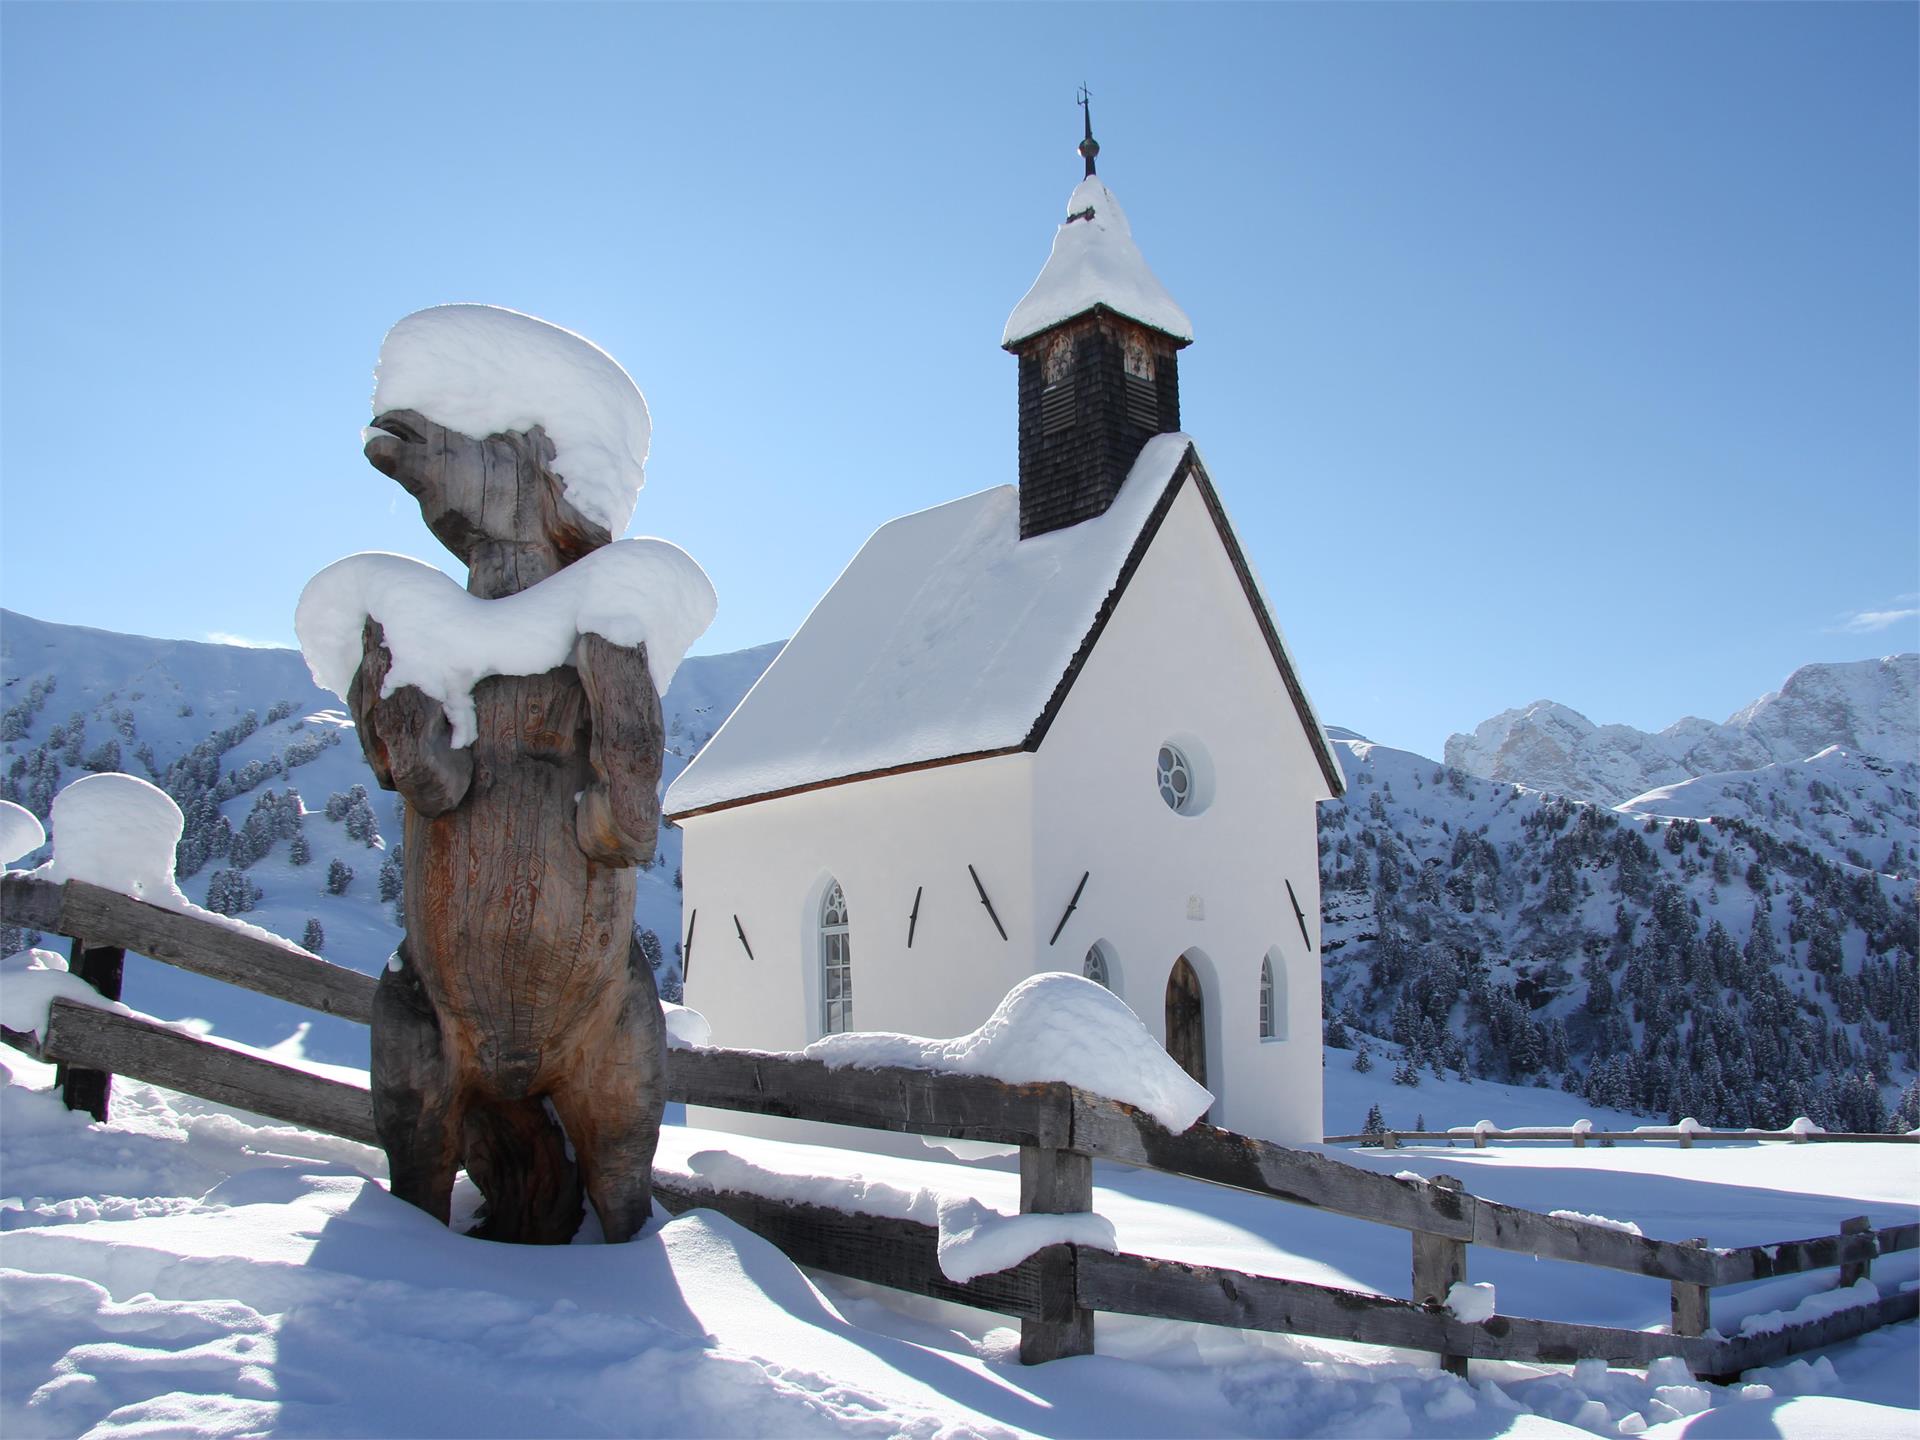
<point>189,1271</point>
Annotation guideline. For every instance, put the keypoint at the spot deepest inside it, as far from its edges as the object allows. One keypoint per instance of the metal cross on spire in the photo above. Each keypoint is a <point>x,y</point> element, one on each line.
<point>1089,147</point>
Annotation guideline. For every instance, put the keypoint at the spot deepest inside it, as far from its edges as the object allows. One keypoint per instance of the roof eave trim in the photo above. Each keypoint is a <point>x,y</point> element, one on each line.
<point>1180,342</point>
<point>906,769</point>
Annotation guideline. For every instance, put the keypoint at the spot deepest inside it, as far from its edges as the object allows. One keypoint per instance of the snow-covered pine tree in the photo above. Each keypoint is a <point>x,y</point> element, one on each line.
<point>314,938</point>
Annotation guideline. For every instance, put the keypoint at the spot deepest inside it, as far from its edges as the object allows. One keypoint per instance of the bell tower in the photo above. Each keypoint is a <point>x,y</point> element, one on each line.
<point>1098,339</point>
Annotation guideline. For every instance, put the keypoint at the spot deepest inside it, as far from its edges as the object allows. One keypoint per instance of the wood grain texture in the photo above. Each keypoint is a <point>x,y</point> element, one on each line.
<point>915,1102</point>
<point>1056,1182</point>
<point>188,942</point>
<point>127,1045</point>
<point>104,968</point>
<point>1135,1285</point>
<point>519,891</point>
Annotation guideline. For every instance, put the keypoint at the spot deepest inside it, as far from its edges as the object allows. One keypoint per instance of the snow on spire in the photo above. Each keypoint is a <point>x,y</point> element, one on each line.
<point>1095,262</point>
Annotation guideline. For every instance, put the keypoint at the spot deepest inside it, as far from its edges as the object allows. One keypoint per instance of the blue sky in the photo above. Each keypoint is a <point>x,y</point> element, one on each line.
<point>1559,351</point>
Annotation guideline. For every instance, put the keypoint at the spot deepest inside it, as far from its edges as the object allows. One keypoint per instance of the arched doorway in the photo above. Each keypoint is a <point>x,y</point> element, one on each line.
<point>1187,1020</point>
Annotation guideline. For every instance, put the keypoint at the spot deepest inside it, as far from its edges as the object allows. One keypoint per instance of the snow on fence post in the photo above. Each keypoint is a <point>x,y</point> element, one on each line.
<point>1854,1272</point>
<point>103,967</point>
<point>1056,1182</point>
<point>1439,1263</point>
<point>1691,1304</point>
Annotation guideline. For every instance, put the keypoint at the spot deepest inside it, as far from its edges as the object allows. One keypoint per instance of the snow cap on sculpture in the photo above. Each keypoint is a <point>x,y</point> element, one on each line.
<point>484,370</point>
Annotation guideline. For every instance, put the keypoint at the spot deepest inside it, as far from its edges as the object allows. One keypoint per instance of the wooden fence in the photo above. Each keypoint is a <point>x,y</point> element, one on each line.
<point>1060,1131</point>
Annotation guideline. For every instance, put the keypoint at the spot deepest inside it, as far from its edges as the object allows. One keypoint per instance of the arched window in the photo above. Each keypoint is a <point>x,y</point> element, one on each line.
<point>1273,1003</point>
<point>1095,966</point>
<point>836,964</point>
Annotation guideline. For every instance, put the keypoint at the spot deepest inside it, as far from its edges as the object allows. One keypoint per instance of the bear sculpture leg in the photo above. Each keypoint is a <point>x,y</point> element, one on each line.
<point>613,1113</point>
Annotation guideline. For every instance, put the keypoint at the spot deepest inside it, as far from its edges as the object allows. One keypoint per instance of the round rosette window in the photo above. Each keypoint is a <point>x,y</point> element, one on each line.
<point>1184,775</point>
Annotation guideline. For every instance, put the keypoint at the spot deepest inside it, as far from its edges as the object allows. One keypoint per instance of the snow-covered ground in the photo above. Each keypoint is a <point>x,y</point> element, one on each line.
<point>187,1270</point>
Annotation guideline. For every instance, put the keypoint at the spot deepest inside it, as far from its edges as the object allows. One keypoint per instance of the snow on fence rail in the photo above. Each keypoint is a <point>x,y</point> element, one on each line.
<point>1060,1131</point>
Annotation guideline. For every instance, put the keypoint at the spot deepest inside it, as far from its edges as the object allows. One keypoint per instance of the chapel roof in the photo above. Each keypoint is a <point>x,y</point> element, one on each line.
<point>948,638</point>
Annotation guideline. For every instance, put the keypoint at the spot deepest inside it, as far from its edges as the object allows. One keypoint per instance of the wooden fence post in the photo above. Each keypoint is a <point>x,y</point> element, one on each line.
<point>103,967</point>
<point>1389,1140</point>
<point>1691,1304</point>
<point>1439,1262</point>
<point>1056,1182</point>
<point>1860,1269</point>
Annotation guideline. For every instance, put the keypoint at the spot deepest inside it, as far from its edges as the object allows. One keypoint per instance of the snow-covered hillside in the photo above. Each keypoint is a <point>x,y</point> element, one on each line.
<point>284,822</point>
<point>1850,808</point>
<point>1675,967</point>
<point>1869,707</point>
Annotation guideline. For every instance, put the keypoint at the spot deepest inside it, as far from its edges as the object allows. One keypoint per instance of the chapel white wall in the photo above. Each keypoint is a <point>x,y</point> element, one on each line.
<point>1182,656</point>
<point>770,863</point>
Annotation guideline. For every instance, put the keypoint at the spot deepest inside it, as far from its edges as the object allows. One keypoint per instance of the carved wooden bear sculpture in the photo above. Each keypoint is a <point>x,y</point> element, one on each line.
<point>518,995</point>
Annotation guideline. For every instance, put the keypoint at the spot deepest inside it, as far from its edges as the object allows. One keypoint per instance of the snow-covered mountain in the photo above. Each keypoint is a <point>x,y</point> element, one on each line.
<point>1869,707</point>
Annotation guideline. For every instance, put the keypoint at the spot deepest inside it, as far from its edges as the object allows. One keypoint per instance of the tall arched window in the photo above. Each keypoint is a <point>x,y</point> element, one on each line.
<point>836,964</point>
<point>1273,1012</point>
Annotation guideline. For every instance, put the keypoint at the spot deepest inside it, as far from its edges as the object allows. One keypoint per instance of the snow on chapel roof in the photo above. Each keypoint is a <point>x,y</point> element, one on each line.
<point>946,637</point>
<point>1095,262</point>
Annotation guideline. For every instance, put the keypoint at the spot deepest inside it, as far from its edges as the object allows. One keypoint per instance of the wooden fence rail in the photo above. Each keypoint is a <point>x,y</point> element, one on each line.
<point>1060,1132</point>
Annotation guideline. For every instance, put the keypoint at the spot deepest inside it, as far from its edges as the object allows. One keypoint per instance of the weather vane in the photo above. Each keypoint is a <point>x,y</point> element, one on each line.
<point>1089,147</point>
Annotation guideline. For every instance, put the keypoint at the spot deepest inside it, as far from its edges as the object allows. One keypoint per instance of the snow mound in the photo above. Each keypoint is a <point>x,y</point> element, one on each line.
<point>445,641</point>
<point>118,832</point>
<point>1625,1227</point>
<point>975,1239</point>
<point>685,1025</point>
<point>20,831</point>
<point>29,984</point>
<point>1472,1304</point>
<point>978,1240</point>
<point>1049,1027</point>
<point>481,369</point>
<point>1095,262</point>
<point>1814,1307</point>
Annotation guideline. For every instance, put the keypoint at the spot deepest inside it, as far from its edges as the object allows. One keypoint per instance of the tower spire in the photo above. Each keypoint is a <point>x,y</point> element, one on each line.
<point>1089,147</point>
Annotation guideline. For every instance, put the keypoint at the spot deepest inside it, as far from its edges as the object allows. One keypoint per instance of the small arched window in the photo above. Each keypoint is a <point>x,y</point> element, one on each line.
<point>836,964</point>
<point>1095,966</point>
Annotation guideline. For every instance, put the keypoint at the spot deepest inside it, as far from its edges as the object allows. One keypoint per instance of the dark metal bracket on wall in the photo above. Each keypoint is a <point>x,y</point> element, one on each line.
<point>1300,917</point>
<point>991,915</point>
<point>913,920</point>
<point>686,950</point>
<point>1071,905</point>
<point>738,930</point>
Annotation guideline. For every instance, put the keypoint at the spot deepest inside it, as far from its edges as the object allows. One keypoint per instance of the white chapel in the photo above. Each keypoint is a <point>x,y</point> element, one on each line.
<point>1049,726</point>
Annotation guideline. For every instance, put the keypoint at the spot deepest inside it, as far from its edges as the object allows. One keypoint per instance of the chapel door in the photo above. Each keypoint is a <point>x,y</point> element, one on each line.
<point>1186,1021</point>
